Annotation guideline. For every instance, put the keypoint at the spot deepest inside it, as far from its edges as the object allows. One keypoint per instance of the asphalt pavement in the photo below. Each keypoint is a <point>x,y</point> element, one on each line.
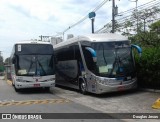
<point>66,100</point>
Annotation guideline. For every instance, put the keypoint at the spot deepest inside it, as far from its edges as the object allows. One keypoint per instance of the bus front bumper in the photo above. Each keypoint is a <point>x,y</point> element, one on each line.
<point>109,88</point>
<point>21,85</point>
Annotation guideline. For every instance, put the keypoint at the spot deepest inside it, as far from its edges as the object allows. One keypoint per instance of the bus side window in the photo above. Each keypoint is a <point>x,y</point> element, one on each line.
<point>77,56</point>
<point>81,67</point>
<point>89,60</point>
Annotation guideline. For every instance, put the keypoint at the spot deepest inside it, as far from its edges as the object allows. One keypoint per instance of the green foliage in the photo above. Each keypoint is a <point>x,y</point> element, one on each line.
<point>155,27</point>
<point>1,64</point>
<point>148,67</point>
<point>138,22</point>
<point>2,68</point>
<point>146,39</point>
<point>7,61</point>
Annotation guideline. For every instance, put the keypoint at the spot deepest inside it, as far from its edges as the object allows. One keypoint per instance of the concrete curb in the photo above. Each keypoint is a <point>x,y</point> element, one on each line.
<point>150,90</point>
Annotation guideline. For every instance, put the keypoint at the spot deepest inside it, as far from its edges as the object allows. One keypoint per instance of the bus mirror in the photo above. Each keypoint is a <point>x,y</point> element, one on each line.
<point>93,52</point>
<point>139,49</point>
<point>13,60</point>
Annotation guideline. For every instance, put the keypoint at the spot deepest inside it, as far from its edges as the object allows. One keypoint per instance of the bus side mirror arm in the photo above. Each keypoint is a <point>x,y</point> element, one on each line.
<point>93,52</point>
<point>139,49</point>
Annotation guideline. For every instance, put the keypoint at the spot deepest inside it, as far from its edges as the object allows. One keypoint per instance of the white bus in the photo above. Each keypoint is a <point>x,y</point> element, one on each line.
<point>33,65</point>
<point>96,63</point>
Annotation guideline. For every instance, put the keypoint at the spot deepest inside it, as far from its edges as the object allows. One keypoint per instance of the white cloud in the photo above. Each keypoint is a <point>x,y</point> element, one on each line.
<point>28,19</point>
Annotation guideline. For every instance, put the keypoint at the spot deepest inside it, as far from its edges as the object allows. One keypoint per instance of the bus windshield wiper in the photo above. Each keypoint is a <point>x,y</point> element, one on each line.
<point>104,56</point>
<point>41,66</point>
<point>30,66</point>
<point>117,62</point>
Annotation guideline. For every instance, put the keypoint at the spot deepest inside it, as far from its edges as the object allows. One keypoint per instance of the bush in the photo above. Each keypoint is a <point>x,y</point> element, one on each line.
<point>148,68</point>
<point>2,68</point>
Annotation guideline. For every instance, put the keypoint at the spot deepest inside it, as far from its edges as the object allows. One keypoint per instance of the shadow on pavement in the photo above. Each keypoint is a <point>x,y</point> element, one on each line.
<point>105,95</point>
<point>34,91</point>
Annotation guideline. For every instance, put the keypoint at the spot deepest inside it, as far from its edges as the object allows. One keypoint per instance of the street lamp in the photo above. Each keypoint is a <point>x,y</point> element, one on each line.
<point>92,15</point>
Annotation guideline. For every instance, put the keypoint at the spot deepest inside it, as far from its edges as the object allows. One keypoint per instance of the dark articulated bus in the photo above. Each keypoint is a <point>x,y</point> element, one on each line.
<point>32,65</point>
<point>96,63</point>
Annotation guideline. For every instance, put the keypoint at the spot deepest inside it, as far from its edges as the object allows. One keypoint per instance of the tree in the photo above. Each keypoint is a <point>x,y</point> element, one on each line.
<point>155,27</point>
<point>137,22</point>
<point>148,38</point>
<point>7,61</point>
<point>1,60</point>
<point>1,64</point>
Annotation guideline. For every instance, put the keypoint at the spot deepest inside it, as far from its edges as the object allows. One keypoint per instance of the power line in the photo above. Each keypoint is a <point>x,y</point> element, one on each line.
<point>85,17</point>
<point>100,5</point>
<point>129,16</point>
<point>148,5</point>
<point>140,7</point>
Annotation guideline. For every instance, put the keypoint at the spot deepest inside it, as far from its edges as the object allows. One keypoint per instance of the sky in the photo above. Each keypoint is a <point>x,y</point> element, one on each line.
<point>28,19</point>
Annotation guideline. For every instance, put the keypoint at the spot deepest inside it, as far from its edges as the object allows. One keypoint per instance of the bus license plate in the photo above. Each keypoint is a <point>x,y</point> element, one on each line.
<point>36,85</point>
<point>121,88</point>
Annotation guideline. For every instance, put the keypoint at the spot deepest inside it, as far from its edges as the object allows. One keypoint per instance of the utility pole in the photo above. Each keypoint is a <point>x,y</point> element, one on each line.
<point>136,12</point>
<point>137,16</point>
<point>113,15</point>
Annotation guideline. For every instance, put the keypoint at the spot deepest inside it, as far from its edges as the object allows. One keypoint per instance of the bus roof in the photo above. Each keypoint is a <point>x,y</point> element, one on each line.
<point>32,42</point>
<point>105,37</point>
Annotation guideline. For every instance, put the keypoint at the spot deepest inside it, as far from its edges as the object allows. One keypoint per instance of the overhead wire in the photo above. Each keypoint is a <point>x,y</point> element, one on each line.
<point>85,17</point>
<point>140,7</point>
<point>148,5</point>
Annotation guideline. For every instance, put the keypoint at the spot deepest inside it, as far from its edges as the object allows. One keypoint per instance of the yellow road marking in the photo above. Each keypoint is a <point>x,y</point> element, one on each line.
<point>30,102</point>
<point>156,105</point>
<point>9,82</point>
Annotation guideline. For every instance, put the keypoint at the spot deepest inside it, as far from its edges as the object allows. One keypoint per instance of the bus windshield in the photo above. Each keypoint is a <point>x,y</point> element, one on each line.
<point>35,65</point>
<point>114,59</point>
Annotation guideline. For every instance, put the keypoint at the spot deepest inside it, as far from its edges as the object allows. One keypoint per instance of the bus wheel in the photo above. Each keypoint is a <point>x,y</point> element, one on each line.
<point>47,88</point>
<point>83,87</point>
<point>13,84</point>
<point>17,90</point>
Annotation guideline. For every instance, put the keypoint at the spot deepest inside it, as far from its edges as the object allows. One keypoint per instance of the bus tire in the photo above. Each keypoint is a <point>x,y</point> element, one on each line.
<point>47,88</point>
<point>13,84</point>
<point>17,90</point>
<point>83,86</point>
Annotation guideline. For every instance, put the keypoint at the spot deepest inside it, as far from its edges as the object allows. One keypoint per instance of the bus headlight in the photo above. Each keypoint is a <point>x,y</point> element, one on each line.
<point>102,82</point>
<point>52,79</point>
<point>20,80</point>
<point>106,83</point>
<point>134,79</point>
<point>99,81</point>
